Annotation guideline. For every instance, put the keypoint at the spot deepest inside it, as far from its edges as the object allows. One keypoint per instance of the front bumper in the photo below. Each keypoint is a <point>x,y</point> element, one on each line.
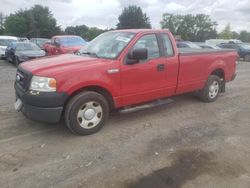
<point>41,106</point>
<point>48,115</point>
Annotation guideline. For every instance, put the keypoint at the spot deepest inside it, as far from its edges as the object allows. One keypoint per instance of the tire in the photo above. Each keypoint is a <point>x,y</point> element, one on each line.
<point>16,61</point>
<point>247,58</point>
<point>212,89</point>
<point>86,113</point>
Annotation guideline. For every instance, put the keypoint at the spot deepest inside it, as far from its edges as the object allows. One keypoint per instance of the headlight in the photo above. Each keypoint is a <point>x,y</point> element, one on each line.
<point>43,84</point>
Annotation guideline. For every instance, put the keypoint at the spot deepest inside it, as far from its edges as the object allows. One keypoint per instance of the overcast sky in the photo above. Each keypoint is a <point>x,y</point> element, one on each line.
<point>104,13</point>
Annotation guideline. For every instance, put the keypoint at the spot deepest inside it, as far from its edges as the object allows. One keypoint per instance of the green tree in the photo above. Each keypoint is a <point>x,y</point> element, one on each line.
<point>244,36</point>
<point>132,17</point>
<point>93,32</point>
<point>235,35</point>
<point>37,21</point>
<point>80,30</point>
<point>226,33</point>
<point>190,27</point>
<point>84,31</point>
<point>16,25</point>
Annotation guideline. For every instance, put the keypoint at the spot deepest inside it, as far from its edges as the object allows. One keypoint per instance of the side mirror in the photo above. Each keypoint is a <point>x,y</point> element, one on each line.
<point>136,55</point>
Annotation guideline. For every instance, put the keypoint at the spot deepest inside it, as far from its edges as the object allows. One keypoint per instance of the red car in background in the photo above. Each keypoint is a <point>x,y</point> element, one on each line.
<point>63,44</point>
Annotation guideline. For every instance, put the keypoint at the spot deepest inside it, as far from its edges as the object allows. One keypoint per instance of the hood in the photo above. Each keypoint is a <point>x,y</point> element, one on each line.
<point>31,53</point>
<point>60,63</point>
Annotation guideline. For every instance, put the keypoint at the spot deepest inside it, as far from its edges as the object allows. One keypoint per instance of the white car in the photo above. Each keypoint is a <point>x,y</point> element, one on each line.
<point>4,42</point>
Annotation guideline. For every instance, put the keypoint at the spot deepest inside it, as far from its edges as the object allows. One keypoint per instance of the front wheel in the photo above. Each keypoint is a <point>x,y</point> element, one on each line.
<point>16,61</point>
<point>211,90</point>
<point>86,113</point>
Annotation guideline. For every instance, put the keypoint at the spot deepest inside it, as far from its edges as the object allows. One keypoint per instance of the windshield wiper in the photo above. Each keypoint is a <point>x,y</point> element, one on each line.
<point>90,53</point>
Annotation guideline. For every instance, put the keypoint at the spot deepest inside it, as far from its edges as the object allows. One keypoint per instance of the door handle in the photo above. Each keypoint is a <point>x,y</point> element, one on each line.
<point>160,67</point>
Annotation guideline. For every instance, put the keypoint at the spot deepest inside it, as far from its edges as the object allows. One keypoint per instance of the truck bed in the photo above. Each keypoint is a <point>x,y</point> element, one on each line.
<point>192,51</point>
<point>197,64</point>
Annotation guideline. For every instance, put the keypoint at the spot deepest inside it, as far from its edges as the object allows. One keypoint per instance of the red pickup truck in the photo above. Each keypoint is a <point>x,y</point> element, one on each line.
<point>118,69</point>
<point>63,44</point>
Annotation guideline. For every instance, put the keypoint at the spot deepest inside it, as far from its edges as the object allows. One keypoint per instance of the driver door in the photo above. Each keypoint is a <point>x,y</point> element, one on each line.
<point>145,80</point>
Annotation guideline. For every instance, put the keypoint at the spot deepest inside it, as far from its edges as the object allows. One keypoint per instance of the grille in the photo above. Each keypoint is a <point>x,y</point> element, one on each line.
<point>23,78</point>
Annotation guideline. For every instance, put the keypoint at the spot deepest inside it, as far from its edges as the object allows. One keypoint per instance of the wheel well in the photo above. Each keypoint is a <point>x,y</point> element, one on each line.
<point>96,89</point>
<point>219,72</point>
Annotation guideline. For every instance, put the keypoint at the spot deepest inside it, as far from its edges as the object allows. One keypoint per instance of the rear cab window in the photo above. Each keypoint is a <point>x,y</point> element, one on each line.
<point>167,45</point>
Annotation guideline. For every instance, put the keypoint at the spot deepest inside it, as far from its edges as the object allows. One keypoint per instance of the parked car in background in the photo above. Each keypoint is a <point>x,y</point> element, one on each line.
<point>4,42</point>
<point>220,41</point>
<point>22,39</point>
<point>187,44</point>
<point>208,46</point>
<point>242,49</point>
<point>40,42</point>
<point>18,52</point>
<point>63,44</point>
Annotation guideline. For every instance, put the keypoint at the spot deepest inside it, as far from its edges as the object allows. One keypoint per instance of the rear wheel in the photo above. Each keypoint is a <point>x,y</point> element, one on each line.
<point>211,90</point>
<point>86,113</point>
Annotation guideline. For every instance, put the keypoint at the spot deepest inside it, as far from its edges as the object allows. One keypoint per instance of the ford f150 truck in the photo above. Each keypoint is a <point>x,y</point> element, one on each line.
<point>118,69</point>
<point>63,44</point>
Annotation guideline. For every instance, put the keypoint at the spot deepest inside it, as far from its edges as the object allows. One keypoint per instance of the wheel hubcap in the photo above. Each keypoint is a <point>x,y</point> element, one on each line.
<point>213,89</point>
<point>89,115</point>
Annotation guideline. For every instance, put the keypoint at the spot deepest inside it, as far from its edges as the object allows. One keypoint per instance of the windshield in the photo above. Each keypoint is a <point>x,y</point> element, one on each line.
<point>26,46</point>
<point>245,46</point>
<point>41,42</point>
<point>6,42</point>
<point>71,41</point>
<point>108,45</point>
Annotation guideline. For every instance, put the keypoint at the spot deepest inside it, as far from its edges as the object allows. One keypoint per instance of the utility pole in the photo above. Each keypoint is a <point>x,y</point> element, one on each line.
<point>1,21</point>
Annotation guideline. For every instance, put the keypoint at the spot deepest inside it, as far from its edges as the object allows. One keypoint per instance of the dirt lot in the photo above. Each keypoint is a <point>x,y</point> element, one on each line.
<point>183,144</point>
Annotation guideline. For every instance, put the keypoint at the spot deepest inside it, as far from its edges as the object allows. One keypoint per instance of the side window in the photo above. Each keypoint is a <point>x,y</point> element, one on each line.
<point>56,42</point>
<point>53,41</point>
<point>149,42</point>
<point>168,48</point>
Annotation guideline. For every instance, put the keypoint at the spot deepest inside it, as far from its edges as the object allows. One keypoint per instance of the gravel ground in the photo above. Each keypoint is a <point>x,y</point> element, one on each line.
<point>185,144</point>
